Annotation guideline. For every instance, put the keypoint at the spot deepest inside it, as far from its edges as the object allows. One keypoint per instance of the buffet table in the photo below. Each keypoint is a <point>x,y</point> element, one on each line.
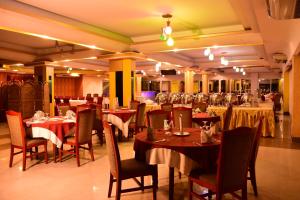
<point>247,116</point>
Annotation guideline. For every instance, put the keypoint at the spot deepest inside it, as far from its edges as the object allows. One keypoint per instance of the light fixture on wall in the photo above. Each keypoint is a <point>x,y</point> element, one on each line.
<point>167,31</point>
<point>157,66</point>
<point>211,56</point>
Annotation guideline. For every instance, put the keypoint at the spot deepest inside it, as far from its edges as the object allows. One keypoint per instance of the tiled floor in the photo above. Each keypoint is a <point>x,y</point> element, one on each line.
<point>278,174</point>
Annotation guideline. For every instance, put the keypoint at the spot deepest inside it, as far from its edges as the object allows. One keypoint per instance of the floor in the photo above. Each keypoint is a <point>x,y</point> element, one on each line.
<point>278,173</point>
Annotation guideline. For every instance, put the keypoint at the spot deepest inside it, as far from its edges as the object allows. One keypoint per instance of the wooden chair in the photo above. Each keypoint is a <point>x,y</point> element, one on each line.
<point>98,125</point>
<point>20,141</point>
<point>83,135</point>
<point>156,118</point>
<point>200,105</point>
<point>139,120</point>
<point>134,104</point>
<point>99,100</point>
<point>227,118</point>
<point>63,108</point>
<point>187,116</point>
<point>126,169</point>
<point>231,174</point>
<point>66,100</point>
<point>168,107</point>
<point>251,169</point>
<point>83,107</point>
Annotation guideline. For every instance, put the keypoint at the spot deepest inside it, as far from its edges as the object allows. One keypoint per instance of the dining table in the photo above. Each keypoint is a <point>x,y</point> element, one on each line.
<point>201,117</point>
<point>52,128</point>
<point>248,116</point>
<point>119,118</point>
<point>184,152</point>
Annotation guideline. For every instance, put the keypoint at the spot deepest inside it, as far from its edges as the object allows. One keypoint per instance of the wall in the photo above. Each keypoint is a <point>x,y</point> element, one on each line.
<point>92,85</point>
<point>68,86</point>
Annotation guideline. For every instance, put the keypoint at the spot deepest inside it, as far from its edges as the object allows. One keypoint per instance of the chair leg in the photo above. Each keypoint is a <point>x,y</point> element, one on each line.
<point>60,152</point>
<point>253,180</point>
<point>209,195</point>
<point>46,153</point>
<point>11,155</point>
<point>77,155</point>
<point>91,150</point>
<point>24,159</point>
<point>190,189</point>
<point>119,187</point>
<point>110,185</point>
<point>142,183</point>
<point>31,156</point>
<point>155,181</point>
<point>244,192</point>
<point>36,152</point>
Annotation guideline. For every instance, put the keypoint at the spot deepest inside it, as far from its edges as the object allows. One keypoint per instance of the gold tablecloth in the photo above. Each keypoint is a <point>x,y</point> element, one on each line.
<point>247,116</point>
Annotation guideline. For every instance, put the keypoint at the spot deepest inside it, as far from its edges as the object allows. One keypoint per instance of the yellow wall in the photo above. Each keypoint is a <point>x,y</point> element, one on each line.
<point>196,86</point>
<point>295,95</point>
<point>175,86</point>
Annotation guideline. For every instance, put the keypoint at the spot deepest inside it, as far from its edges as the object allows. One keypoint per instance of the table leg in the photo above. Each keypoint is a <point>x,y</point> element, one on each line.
<point>54,153</point>
<point>171,183</point>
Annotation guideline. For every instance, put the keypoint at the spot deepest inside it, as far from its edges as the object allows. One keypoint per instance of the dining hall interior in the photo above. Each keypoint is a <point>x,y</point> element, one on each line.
<point>139,100</point>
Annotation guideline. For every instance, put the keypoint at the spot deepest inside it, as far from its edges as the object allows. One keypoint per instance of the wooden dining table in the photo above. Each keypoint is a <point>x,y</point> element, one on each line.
<point>205,117</point>
<point>176,151</point>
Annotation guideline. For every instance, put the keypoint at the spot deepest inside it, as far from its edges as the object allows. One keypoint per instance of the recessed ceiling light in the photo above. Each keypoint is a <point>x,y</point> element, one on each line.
<point>82,68</point>
<point>15,70</point>
<point>98,70</point>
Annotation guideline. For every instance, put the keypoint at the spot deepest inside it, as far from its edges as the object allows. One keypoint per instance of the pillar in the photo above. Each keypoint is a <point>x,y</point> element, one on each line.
<point>175,86</point>
<point>138,83</point>
<point>189,82</point>
<point>254,83</point>
<point>220,84</point>
<point>45,74</point>
<point>205,83</point>
<point>294,92</point>
<point>121,84</point>
<point>286,92</point>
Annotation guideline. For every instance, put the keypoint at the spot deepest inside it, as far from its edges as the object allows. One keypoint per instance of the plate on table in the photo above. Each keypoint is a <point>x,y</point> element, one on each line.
<point>181,133</point>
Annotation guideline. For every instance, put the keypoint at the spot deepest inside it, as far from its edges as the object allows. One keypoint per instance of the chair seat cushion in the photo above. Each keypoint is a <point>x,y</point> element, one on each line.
<point>205,179</point>
<point>132,168</point>
<point>35,141</point>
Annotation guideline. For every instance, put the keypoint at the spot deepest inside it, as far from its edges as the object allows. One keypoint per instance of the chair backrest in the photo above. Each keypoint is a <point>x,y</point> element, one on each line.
<point>112,150</point>
<point>156,118</point>
<point>167,107</point>
<point>134,104</point>
<point>84,125</point>
<point>16,128</point>
<point>95,95</point>
<point>140,115</point>
<point>82,107</point>
<point>227,118</point>
<point>202,106</point>
<point>258,126</point>
<point>99,100</point>
<point>63,108</point>
<point>234,156</point>
<point>186,117</point>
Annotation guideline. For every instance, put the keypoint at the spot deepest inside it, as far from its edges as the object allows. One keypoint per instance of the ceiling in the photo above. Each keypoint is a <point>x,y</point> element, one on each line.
<point>138,18</point>
<point>241,30</point>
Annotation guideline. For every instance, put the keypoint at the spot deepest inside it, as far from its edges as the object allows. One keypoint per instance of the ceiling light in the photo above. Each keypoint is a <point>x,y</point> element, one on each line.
<point>244,73</point>
<point>207,52</point>
<point>211,56</point>
<point>237,69</point>
<point>15,70</point>
<point>215,46</point>
<point>18,64</point>
<point>168,30</point>
<point>163,75</point>
<point>226,62</point>
<point>234,67</point>
<point>242,70</point>
<point>82,68</point>
<point>178,72</point>
<point>98,70</point>
<point>170,42</point>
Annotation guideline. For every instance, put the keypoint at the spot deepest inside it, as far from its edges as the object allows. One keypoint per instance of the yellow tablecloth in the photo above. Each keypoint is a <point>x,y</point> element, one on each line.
<point>247,116</point>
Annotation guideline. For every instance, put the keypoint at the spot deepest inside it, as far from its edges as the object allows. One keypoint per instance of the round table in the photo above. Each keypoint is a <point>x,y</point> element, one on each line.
<point>184,148</point>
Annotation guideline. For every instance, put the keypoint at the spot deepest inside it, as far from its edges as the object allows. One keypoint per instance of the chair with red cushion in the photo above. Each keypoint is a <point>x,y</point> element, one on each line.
<point>83,135</point>
<point>20,140</point>
<point>139,120</point>
<point>233,161</point>
<point>126,169</point>
<point>187,116</point>
<point>156,118</point>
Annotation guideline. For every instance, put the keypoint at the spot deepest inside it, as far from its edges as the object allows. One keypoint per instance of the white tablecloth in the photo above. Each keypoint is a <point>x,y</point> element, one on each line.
<point>76,102</point>
<point>171,158</point>
<point>116,121</point>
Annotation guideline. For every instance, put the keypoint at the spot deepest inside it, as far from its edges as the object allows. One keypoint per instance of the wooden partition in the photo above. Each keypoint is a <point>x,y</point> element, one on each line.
<point>68,86</point>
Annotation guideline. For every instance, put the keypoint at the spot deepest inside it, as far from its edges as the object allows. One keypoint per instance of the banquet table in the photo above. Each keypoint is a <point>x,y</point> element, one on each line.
<point>182,152</point>
<point>247,116</point>
<point>53,129</point>
<point>120,118</point>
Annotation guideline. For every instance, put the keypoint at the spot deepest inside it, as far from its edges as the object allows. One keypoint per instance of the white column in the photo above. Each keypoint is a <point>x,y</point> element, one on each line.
<point>254,82</point>
<point>220,86</point>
